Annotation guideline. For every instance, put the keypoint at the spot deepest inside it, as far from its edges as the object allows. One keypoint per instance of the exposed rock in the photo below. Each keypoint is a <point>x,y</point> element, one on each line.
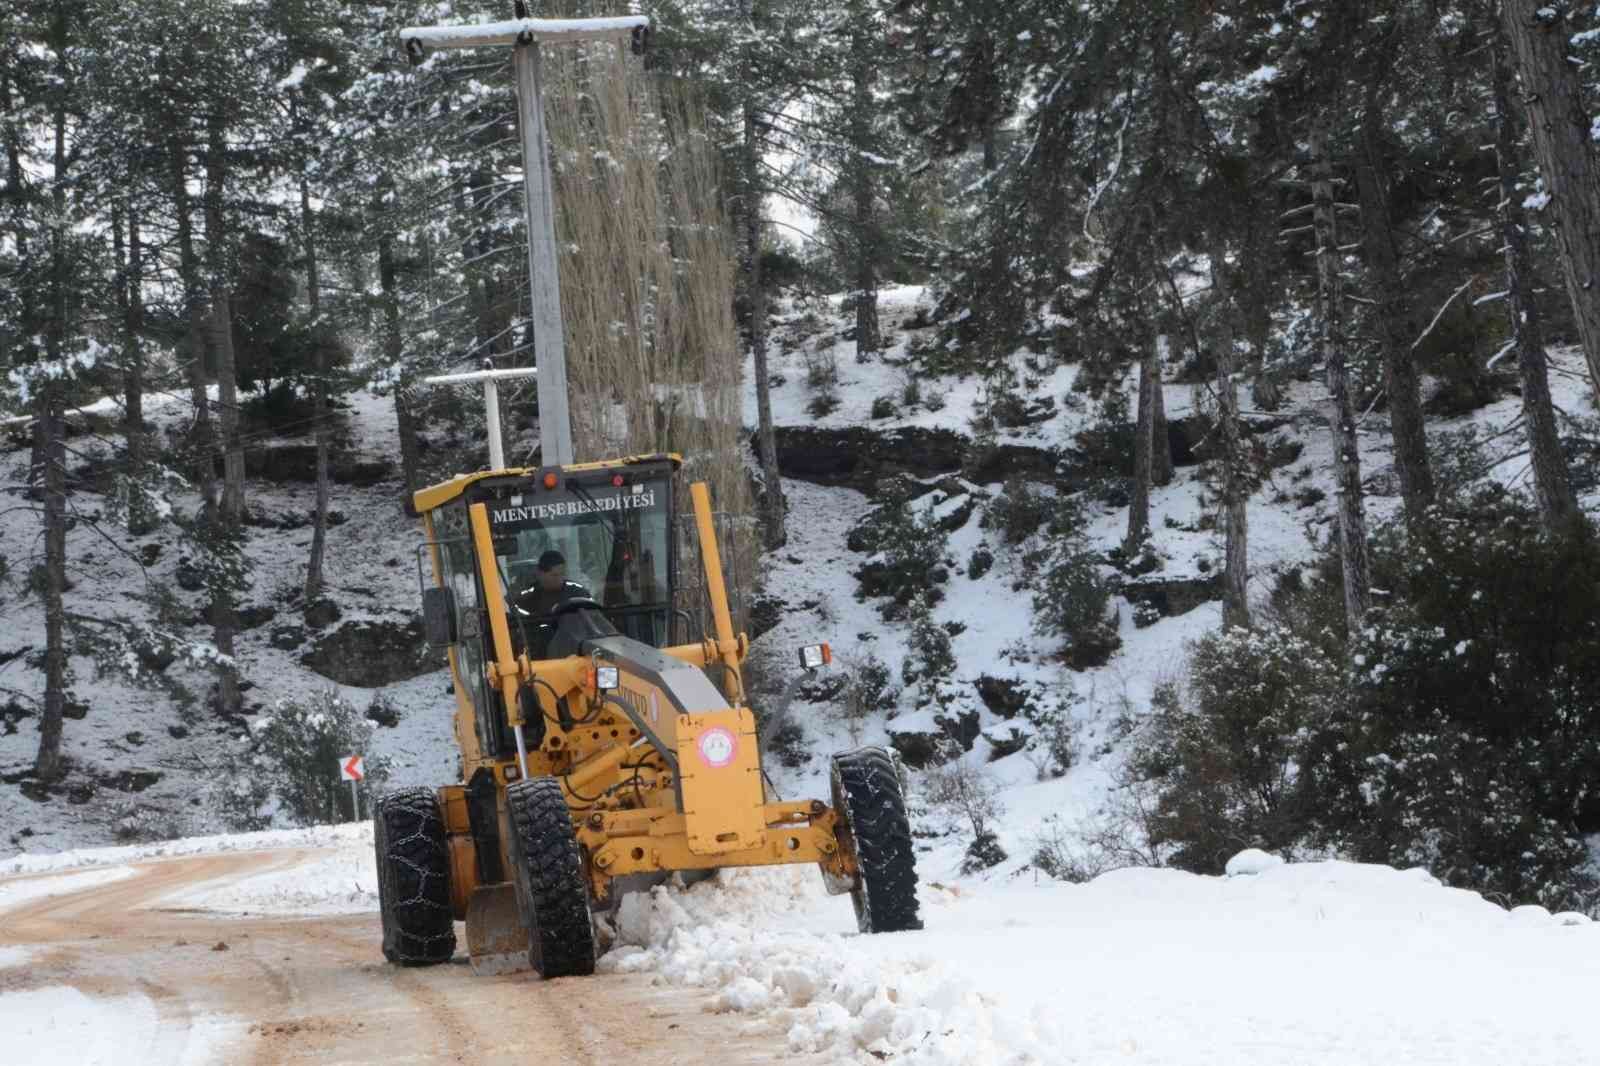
<point>998,462</point>
<point>861,458</point>
<point>921,750</point>
<point>765,613</point>
<point>1172,596</point>
<point>188,576</point>
<point>955,735</point>
<point>1005,697</point>
<point>298,462</point>
<point>322,613</point>
<point>1009,743</point>
<point>964,728</point>
<point>132,780</point>
<point>255,615</point>
<point>372,654</point>
<point>150,553</point>
<point>287,637</point>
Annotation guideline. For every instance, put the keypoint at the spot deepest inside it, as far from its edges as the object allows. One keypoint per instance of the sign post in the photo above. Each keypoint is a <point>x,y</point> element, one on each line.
<point>351,769</point>
<point>525,36</point>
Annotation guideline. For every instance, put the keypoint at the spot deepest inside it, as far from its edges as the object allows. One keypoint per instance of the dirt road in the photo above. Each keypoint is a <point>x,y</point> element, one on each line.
<point>316,990</point>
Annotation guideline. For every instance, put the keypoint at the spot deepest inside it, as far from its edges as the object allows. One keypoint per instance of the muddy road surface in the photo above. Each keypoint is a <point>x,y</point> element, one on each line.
<point>229,989</point>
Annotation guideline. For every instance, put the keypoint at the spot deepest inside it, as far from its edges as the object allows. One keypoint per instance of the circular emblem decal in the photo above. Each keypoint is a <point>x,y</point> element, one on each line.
<point>717,747</point>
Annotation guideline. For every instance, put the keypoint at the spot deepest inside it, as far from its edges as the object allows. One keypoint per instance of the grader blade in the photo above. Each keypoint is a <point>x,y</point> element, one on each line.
<point>497,941</point>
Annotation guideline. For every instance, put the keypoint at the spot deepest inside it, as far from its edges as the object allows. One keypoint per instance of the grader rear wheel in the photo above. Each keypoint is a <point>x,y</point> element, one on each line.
<point>413,878</point>
<point>874,828</point>
<point>548,872</point>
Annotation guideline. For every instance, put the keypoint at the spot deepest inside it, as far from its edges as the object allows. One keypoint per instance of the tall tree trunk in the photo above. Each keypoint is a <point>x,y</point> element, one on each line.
<point>1161,469</point>
<point>130,301</point>
<point>869,339</point>
<point>751,197</point>
<point>51,433</point>
<point>224,618</point>
<point>319,518</point>
<point>1383,262</point>
<point>217,240</point>
<point>406,422</point>
<point>1341,410</point>
<point>202,444</point>
<point>1552,93</point>
<point>1235,485</point>
<point>47,765</point>
<point>1558,506</point>
<point>1143,448</point>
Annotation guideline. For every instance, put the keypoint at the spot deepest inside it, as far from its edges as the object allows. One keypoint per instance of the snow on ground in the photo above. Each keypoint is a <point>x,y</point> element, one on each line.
<point>15,892</point>
<point>1328,963</point>
<point>341,880</point>
<point>1331,963</point>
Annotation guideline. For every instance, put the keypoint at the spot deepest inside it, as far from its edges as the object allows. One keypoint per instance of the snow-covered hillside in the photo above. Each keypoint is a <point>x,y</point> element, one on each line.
<point>145,765</point>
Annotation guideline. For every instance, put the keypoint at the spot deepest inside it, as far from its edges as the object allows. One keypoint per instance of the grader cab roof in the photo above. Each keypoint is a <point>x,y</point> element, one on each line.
<point>435,495</point>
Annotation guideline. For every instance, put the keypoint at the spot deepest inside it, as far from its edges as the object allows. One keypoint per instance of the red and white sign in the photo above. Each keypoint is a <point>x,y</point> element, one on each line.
<point>350,768</point>
<point>717,747</point>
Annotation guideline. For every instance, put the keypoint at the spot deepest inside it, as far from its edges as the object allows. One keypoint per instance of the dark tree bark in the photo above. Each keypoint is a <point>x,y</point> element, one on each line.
<point>319,518</point>
<point>1552,94</point>
<point>224,618</point>
<point>202,444</point>
<point>1143,448</point>
<point>406,421</point>
<point>130,302</point>
<point>222,318</point>
<point>1235,485</point>
<point>773,505</point>
<point>1400,380</point>
<point>47,765</point>
<point>1161,469</point>
<point>1558,506</point>
<point>869,337</point>
<point>1341,410</point>
<point>50,433</point>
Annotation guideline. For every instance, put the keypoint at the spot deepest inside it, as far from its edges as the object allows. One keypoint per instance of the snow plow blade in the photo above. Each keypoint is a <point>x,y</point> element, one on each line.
<point>497,941</point>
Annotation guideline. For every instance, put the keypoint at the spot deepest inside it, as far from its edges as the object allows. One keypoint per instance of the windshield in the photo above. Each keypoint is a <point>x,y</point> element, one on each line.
<point>612,542</point>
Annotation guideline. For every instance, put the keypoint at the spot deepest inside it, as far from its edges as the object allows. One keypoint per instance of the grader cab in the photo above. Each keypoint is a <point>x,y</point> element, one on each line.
<point>606,742</point>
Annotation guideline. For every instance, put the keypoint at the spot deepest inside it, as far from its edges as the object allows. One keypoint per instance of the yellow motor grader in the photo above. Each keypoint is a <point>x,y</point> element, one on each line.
<point>605,742</point>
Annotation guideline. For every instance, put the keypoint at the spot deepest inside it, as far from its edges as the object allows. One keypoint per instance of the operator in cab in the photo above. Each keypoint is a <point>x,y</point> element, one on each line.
<point>533,605</point>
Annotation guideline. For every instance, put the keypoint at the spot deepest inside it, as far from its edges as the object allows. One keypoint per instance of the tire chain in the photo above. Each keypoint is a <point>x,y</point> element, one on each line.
<point>550,882</point>
<point>868,790</point>
<point>422,924</point>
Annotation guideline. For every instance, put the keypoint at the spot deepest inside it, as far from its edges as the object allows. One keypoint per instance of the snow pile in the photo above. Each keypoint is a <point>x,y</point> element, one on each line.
<point>1251,861</point>
<point>317,836</point>
<point>25,890</point>
<point>738,938</point>
<point>342,881</point>
<point>1317,962</point>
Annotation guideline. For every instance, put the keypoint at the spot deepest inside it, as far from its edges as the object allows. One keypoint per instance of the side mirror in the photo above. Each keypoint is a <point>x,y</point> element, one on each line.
<point>439,616</point>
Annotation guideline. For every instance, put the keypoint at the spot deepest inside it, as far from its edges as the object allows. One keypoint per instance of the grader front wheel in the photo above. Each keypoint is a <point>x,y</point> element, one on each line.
<point>874,828</point>
<point>408,835</point>
<point>548,873</point>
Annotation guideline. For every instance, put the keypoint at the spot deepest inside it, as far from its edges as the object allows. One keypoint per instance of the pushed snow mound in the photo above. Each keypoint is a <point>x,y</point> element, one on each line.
<point>1251,861</point>
<point>1318,963</point>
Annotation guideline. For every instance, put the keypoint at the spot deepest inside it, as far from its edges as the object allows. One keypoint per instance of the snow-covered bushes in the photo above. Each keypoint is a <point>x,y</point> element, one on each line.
<point>298,746</point>
<point>911,560</point>
<point>1224,749</point>
<point>1070,600</point>
<point>867,691</point>
<point>964,791</point>
<point>1471,741</point>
